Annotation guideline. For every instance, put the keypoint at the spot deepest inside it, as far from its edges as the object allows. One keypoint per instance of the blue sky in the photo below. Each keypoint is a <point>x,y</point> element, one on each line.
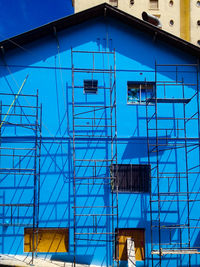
<point>18,16</point>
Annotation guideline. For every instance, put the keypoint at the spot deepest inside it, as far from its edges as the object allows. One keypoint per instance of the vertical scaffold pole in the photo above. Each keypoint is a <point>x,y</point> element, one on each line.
<point>74,162</point>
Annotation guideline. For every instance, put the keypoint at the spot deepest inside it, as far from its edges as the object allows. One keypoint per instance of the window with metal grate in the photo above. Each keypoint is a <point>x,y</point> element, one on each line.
<point>131,177</point>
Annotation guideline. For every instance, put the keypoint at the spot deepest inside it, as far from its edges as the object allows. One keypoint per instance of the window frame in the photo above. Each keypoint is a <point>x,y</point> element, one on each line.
<point>145,179</point>
<point>140,102</point>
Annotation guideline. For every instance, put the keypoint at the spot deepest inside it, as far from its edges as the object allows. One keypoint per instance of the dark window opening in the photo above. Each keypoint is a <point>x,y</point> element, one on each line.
<point>90,86</point>
<point>131,177</point>
<point>140,93</point>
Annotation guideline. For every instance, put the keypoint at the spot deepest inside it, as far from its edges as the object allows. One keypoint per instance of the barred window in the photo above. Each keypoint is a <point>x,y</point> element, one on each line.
<point>132,177</point>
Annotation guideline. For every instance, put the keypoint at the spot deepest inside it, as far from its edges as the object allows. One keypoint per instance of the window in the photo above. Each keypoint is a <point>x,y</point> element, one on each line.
<point>132,177</point>
<point>113,3</point>
<point>90,86</point>
<point>139,93</point>
<point>49,240</point>
<point>153,4</point>
<point>138,236</point>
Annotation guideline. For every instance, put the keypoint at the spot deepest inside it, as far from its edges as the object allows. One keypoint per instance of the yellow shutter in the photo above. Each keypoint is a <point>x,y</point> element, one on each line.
<point>47,240</point>
<point>138,236</point>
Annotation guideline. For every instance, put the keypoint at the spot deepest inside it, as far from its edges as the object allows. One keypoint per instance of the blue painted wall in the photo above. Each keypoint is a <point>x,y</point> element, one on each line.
<point>48,64</point>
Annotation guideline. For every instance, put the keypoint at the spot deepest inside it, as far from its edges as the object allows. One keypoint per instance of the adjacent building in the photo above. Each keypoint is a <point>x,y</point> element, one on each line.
<point>99,144</point>
<point>179,17</point>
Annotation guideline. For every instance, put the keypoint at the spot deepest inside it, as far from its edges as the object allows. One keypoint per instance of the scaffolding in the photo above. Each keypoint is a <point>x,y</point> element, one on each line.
<point>173,127</point>
<point>94,150</point>
<point>20,147</point>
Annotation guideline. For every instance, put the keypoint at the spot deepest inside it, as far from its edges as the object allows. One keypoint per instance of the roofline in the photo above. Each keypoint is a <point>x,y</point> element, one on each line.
<point>94,12</point>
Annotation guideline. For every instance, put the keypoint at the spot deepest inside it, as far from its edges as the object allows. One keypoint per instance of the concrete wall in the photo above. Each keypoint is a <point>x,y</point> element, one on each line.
<point>195,29</point>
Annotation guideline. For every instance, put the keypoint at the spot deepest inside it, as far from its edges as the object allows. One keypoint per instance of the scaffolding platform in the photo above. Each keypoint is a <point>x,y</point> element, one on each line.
<point>170,100</point>
<point>175,252</point>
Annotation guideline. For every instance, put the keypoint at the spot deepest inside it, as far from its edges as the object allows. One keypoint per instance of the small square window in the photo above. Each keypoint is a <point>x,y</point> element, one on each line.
<point>140,93</point>
<point>90,86</point>
<point>132,177</point>
<point>153,4</point>
<point>113,3</point>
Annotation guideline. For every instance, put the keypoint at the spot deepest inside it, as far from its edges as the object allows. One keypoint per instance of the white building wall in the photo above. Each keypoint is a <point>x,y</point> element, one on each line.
<point>168,12</point>
<point>194,27</point>
<point>165,12</point>
<point>80,5</point>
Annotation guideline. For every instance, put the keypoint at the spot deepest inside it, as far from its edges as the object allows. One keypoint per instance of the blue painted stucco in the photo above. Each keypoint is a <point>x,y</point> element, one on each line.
<point>48,64</point>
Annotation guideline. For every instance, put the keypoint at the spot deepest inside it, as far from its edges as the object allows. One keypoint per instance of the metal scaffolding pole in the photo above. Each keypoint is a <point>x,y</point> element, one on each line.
<point>94,122</point>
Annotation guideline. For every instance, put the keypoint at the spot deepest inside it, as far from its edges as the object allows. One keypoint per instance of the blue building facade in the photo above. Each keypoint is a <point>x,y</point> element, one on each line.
<point>100,142</point>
